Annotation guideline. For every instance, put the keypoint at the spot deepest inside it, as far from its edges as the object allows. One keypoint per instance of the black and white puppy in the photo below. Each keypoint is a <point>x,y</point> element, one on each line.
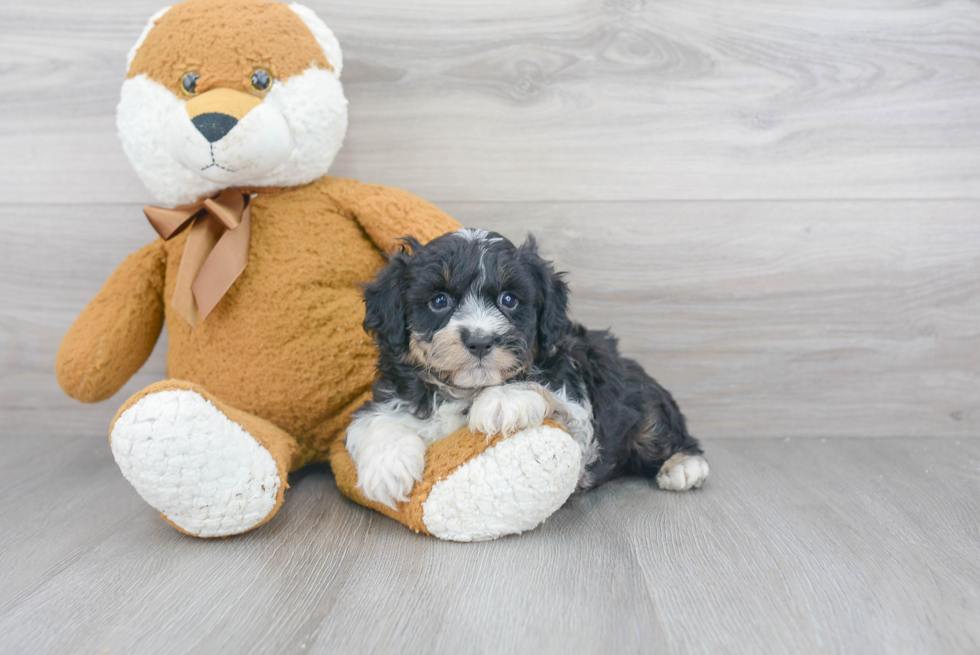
<point>473,331</point>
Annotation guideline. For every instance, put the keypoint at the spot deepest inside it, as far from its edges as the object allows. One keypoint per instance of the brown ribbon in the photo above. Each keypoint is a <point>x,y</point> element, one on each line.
<point>216,252</point>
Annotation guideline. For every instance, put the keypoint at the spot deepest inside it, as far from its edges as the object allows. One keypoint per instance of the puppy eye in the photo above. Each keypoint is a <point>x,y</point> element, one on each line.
<point>439,302</point>
<point>261,80</point>
<point>508,300</point>
<point>188,83</point>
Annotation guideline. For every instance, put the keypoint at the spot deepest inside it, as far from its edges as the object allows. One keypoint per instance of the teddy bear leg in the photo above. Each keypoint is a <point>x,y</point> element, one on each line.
<point>211,470</point>
<point>474,489</point>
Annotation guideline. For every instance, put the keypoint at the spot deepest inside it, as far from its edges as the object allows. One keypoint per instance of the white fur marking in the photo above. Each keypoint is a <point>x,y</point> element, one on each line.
<point>507,409</point>
<point>577,419</point>
<point>475,234</point>
<point>479,317</point>
<point>391,461</point>
<point>194,465</point>
<point>388,447</point>
<point>512,487</point>
<point>682,472</point>
<point>471,234</point>
<point>483,268</point>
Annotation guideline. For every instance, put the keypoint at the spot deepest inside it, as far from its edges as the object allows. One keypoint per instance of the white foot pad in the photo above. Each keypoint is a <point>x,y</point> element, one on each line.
<point>194,465</point>
<point>511,487</point>
<point>682,472</point>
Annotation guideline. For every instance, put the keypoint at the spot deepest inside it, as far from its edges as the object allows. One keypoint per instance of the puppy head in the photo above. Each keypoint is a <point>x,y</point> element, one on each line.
<point>469,307</point>
<point>224,93</point>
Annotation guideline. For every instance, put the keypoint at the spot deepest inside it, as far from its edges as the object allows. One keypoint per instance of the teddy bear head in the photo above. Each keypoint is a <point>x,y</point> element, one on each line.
<point>231,93</point>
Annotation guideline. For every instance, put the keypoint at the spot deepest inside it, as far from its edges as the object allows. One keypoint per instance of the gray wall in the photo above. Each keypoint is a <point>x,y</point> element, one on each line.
<point>774,204</point>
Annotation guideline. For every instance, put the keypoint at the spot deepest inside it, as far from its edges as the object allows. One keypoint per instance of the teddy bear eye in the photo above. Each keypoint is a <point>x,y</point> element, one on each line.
<point>261,80</point>
<point>188,83</point>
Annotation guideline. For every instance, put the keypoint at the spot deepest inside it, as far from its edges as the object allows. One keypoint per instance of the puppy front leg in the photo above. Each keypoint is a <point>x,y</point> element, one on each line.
<point>510,408</point>
<point>388,454</point>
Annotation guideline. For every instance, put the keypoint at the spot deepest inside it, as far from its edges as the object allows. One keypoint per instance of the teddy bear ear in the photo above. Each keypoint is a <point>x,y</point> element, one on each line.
<point>323,35</point>
<point>146,30</point>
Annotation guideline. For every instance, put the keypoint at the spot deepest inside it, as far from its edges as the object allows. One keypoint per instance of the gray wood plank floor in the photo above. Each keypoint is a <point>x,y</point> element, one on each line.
<point>793,546</point>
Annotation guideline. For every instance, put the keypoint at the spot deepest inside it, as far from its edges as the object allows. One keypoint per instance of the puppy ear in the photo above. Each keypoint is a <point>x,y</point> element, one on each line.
<point>553,321</point>
<point>384,307</point>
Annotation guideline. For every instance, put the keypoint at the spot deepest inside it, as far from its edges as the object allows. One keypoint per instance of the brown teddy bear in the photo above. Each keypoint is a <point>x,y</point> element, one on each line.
<point>231,113</point>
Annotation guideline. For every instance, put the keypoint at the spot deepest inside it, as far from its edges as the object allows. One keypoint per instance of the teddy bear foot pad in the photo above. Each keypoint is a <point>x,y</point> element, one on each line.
<point>512,487</point>
<point>202,471</point>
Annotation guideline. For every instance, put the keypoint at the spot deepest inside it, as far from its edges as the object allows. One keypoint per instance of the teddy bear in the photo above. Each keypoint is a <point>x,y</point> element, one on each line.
<point>231,113</point>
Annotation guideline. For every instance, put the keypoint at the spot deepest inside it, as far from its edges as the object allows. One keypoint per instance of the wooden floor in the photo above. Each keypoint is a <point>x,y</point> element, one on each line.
<point>774,203</point>
<point>793,546</point>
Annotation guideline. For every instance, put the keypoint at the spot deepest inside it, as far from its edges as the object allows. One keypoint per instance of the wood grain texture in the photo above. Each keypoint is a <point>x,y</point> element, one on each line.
<point>781,318</point>
<point>803,546</point>
<point>560,99</point>
<point>810,319</point>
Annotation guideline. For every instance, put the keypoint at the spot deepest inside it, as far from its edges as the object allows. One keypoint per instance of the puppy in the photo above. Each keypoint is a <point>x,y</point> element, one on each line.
<point>473,331</point>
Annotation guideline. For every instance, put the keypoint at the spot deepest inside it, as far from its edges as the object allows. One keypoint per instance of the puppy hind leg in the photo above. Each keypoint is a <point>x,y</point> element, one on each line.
<point>663,449</point>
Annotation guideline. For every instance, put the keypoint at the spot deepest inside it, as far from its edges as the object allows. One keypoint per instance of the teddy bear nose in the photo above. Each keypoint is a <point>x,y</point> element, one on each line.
<point>213,125</point>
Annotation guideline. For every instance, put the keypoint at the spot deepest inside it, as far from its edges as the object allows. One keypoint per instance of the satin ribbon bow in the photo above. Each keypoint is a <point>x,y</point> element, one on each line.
<point>216,252</point>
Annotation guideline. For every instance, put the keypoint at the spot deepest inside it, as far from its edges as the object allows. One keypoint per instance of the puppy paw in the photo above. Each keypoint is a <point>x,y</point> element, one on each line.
<point>387,471</point>
<point>682,472</point>
<point>507,409</point>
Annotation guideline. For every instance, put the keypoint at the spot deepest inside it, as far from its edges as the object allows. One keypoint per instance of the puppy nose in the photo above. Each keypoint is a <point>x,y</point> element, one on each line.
<point>213,125</point>
<point>479,345</point>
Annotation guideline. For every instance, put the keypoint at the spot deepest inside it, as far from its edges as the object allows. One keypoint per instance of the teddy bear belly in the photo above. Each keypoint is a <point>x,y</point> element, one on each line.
<point>286,342</point>
<point>302,362</point>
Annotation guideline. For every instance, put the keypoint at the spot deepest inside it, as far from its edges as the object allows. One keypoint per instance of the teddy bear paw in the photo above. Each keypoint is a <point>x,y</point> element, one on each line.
<point>511,487</point>
<point>199,469</point>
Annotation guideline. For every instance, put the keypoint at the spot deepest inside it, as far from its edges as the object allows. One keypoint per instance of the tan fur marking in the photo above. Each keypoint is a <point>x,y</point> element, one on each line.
<point>225,41</point>
<point>446,354</point>
<point>419,350</point>
<point>222,101</point>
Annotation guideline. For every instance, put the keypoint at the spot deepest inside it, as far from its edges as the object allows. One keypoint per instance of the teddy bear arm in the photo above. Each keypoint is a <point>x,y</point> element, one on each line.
<point>115,333</point>
<point>388,214</point>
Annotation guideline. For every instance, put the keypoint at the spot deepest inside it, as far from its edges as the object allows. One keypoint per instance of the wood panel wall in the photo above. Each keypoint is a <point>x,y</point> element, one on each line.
<point>775,204</point>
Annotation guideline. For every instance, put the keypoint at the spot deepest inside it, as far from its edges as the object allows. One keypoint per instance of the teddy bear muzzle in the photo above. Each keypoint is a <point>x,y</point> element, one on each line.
<point>227,136</point>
